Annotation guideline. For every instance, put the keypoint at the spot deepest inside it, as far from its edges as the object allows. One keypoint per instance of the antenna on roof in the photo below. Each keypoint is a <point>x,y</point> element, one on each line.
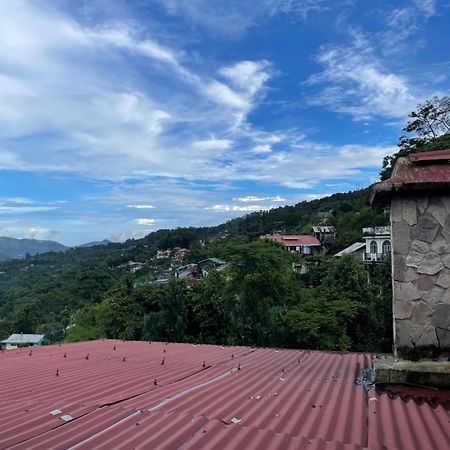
<point>57,372</point>
<point>124,359</point>
<point>204,364</point>
<point>65,355</point>
<point>155,382</point>
<point>114,348</point>
<point>162,362</point>
<point>87,356</point>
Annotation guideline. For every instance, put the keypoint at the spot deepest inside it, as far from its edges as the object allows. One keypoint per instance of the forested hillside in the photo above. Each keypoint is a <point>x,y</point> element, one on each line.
<point>94,291</point>
<point>113,290</point>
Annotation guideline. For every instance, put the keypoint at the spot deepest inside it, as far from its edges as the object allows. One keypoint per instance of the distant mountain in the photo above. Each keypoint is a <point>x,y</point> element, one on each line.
<point>11,248</point>
<point>94,243</point>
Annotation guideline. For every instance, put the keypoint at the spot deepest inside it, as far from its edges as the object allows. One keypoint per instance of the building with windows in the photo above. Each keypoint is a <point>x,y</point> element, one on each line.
<point>325,234</point>
<point>378,244</point>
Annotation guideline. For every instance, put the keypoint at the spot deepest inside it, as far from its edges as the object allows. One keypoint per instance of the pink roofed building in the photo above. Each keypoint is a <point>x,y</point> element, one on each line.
<point>295,243</point>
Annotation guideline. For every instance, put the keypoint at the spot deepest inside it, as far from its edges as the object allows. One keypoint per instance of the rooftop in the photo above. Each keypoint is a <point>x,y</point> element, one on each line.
<point>352,248</point>
<point>293,239</point>
<point>20,338</point>
<point>122,395</point>
<point>418,171</point>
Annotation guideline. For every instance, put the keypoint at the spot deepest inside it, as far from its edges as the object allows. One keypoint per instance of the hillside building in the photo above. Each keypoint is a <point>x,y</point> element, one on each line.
<point>21,340</point>
<point>378,244</point>
<point>325,234</point>
<point>299,243</point>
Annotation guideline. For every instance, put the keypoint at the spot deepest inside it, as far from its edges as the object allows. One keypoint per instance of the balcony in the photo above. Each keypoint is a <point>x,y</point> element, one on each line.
<point>375,257</point>
<point>377,231</point>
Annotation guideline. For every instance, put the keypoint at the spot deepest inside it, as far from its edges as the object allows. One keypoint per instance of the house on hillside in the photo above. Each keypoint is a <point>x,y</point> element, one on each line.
<point>325,234</point>
<point>189,272</point>
<point>161,254</point>
<point>378,244</point>
<point>22,340</point>
<point>135,266</point>
<point>300,243</point>
<point>214,262</point>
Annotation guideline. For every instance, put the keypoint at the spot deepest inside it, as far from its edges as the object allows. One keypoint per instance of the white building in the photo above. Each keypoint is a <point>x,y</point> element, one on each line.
<point>378,244</point>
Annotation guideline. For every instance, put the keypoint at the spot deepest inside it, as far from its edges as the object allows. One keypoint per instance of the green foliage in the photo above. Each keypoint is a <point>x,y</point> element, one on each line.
<point>26,318</point>
<point>170,322</point>
<point>210,309</point>
<point>430,125</point>
<point>320,321</point>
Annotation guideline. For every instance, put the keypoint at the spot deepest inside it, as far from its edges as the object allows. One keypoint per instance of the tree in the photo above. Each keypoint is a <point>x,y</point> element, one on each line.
<point>260,275</point>
<point>211,309</point>
<point>431,119</point>
<point>170,322</point>
<point>321,319</point>
<point>430,123</point>
<point>26,318</point>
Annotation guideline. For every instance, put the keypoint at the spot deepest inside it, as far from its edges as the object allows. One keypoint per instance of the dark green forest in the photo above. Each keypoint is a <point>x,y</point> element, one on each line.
<point>258,300</point>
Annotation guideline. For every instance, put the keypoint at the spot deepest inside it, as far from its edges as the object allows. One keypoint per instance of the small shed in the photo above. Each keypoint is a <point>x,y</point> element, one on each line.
<point>22,340</point>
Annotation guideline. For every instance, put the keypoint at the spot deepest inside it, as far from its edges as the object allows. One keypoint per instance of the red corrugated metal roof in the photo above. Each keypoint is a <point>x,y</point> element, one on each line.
<point>419,171</point>
<point>441,155</point>
<point>205,397</point>
<point>293,239</point>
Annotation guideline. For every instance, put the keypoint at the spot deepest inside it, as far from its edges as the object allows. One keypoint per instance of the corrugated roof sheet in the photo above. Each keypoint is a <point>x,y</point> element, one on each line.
<point>20,338</point>
<point>324,229</point>
<point>123,395</point>
<point>419,171</point>
<point>351,248</point>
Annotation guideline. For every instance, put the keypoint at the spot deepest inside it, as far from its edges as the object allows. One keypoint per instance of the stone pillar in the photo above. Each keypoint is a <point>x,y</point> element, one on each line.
<point>420,224</point>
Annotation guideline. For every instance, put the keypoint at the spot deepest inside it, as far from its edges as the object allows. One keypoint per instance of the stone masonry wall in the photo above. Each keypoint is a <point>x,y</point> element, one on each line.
<point>420,227</point>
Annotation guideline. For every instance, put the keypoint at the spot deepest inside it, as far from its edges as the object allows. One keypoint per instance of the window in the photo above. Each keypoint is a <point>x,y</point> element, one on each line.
<point>373,247</point>
<point>386,247</point>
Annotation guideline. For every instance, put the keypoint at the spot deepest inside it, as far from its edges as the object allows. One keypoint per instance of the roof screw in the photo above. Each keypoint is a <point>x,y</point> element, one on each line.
<point>166,343</point>
<point>162,362</point>
<point>124,359</point>
<point>87,356</point>
<point>282,370</point>
<point>204,364</point>
<point>31,352</point>
<point>155,382</point>
<point>164,351</point>
<point>57,372</point>
<point>232,356</point>
<point>65,355</point>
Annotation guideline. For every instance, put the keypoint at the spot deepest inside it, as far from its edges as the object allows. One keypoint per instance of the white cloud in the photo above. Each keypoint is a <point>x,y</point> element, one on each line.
<point>65,73</point>
<point>255,198</point>
<point>140,206</point>
<point>32,232</point>
<point>145,221</point>
<point>300,9</point>
<point>247,208</point>
<point>358,83</point>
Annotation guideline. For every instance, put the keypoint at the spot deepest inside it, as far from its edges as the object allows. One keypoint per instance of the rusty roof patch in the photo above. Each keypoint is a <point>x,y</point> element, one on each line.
<point>417,172</point>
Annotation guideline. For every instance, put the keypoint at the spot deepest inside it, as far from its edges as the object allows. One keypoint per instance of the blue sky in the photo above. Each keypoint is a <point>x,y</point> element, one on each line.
<point>118,117</point>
